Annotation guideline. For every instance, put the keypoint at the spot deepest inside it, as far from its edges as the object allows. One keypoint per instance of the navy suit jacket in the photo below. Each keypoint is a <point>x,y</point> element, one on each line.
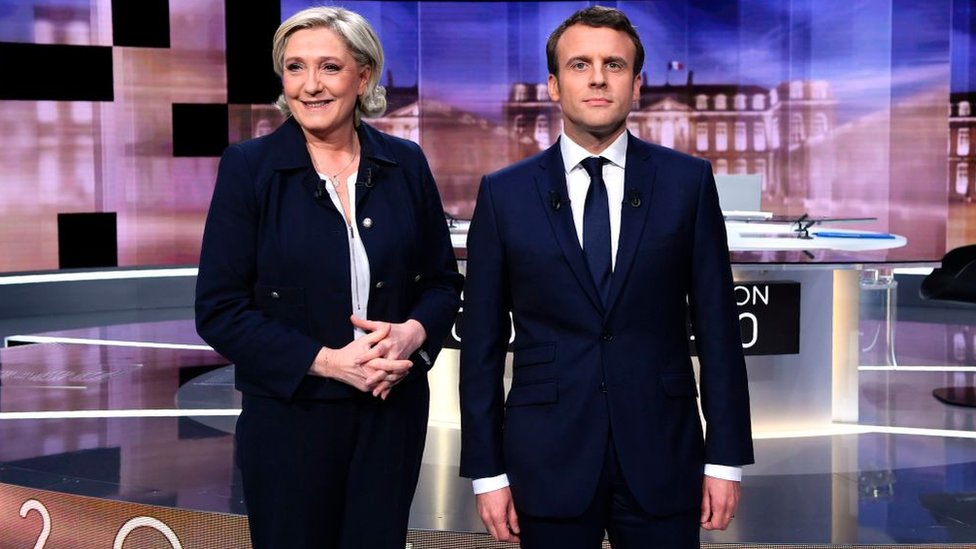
<point>274,282</point>
<point>582,369</point>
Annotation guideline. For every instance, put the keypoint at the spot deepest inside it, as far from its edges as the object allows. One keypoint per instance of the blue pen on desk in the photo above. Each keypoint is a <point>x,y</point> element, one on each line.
<point>832,234</point>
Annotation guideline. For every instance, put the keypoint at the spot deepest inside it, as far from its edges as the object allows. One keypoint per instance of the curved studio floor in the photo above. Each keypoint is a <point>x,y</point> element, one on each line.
<point>144,413</point>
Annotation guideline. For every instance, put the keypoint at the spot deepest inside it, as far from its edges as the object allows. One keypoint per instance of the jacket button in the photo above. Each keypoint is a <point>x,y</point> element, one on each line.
<point>603,386</point>
<point>379,284</point>
<point>416,278</point>
<point>368,222</point>
<point>607,336</point>
<point>275,295</point>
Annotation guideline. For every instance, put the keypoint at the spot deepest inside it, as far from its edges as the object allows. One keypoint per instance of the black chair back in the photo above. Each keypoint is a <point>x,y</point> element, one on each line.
<point>955,280</point>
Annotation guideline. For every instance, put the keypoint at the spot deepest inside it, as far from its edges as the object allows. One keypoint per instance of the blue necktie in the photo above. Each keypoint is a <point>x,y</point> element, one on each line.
<point>596,226</point>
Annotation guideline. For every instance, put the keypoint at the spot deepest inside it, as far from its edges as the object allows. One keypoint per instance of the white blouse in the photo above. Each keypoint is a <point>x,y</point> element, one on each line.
<point>358,260</point>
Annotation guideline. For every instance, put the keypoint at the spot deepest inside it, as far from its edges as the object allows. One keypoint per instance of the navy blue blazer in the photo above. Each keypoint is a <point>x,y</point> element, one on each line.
<point>581,369</point>
<point>274,282</point>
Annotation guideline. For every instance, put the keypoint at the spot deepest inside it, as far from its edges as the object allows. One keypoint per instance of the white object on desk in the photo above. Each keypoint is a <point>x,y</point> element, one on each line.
<point>757,235</point>
<point>782,237</point>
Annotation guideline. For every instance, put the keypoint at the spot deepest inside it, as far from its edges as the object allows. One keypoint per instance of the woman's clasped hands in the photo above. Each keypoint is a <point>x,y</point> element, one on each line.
<point>375,362</point>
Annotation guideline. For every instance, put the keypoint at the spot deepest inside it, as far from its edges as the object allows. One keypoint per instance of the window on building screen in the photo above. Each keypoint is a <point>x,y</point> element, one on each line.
<point>962,178</point>
<point>46,112</point>
<point>721,102</point>
<point>701,138</point>
<point>721,166</point>
<point>701,102</point>
<point>740,102</point>
<point>520,93</point>
<point>542,131</point>
<point>721,136</point>
<point>741,167</point>
<point>796,89</point>
<point>81,112</point>
<point>819,124</point>
<point>667,134</point>
<point>740,136</point>
<point>965,109</point>
<point>962,142</point>
<point>758,102</point>
<point>759,136</point>
<point>519,124</point>
<point>541,92</point>
<point>796,129</point>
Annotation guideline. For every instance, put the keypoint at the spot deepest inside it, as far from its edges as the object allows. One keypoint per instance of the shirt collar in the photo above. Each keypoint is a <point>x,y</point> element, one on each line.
<point>573,154</point>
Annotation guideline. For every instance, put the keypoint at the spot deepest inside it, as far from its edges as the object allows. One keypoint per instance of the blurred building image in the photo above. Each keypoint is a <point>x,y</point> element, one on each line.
<point>460,146</point>
<point>962,160</point>
<point>832,143</point>
<point>738,128</point>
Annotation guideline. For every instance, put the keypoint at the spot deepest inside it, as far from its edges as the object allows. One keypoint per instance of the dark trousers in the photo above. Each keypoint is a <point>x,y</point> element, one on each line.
<point>332,474</point>
<point>616,513</point>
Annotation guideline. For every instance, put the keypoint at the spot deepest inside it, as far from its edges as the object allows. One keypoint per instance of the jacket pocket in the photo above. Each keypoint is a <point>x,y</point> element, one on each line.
<point>537,354</point>
<point>679,385</point>
<point>536,393</point>
<point>284,303</point>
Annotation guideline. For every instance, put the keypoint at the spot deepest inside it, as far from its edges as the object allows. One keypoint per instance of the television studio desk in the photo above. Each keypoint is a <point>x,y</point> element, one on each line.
<point>122,433</point>
<point>816,385</point>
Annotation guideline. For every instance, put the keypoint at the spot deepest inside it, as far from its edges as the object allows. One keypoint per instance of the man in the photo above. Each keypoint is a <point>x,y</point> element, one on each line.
<point>599,262</point>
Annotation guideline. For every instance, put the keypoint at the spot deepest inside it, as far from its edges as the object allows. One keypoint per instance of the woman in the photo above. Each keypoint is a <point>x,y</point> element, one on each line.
<point>312,230</point>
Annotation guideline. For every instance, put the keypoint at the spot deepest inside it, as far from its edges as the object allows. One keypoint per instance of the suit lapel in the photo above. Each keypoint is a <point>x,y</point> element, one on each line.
<point>551,184</point>
<point>638,185</point>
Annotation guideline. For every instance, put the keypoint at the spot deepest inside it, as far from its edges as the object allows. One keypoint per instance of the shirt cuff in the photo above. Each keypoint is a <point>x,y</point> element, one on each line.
<point>490,484</point>
<point>724,472</point>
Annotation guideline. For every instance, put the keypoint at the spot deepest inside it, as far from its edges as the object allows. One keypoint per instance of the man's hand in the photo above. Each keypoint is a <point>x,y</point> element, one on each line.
<point>399,342</point>
<point>720,498</point>
<point>498,513</point>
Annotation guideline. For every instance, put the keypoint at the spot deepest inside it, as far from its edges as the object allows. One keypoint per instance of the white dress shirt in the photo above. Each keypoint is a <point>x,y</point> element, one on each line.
<point>577,183</point>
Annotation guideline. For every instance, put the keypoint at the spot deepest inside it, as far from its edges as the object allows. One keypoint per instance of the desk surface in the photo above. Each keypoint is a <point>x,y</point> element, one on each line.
<point>765,236</point>
<point>753,236</point>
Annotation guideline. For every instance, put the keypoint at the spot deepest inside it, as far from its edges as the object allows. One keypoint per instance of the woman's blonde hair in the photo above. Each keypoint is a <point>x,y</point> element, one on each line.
<point>359,37</point>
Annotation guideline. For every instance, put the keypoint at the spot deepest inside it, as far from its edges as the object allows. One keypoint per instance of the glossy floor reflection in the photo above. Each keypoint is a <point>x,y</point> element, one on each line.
<point>144,413</point>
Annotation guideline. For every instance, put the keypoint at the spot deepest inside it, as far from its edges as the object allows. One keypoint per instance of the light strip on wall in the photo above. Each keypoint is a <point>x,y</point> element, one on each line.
<point>112,414</point>
<point>113,342</point>
<point>97,275</point>
<point>835,429</point>
<point>848,429</point>
<point>933,368</point>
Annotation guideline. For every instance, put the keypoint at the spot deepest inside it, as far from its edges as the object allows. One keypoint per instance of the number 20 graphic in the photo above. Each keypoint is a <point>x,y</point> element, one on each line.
<point>120,537</point>
<point>148,522</point>
<point>34,505</point>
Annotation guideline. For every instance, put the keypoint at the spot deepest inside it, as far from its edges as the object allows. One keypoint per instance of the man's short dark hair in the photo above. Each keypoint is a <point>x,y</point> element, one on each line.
<point>597,17</point>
